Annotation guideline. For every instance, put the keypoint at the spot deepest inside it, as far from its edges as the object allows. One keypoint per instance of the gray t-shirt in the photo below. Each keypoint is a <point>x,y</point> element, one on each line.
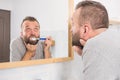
<point>101,56</point>
<point>18,49</point>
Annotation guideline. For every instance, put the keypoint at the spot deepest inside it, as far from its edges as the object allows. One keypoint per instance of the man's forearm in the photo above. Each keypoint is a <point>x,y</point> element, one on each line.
<point>28,55</point>
<point>47,53</point>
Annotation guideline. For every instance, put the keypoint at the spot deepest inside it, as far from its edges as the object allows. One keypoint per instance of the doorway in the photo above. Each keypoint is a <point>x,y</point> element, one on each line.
<point>4,35</point>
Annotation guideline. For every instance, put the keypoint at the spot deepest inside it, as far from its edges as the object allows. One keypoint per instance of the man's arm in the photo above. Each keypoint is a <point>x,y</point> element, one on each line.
<point>47,53</point>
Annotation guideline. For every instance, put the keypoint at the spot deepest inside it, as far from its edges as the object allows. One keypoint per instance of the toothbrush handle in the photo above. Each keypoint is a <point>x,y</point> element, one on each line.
<point>42,38</point>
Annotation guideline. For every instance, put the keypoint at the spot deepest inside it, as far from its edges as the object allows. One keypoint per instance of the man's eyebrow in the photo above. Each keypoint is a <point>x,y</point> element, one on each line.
<point>26,26</point>
<point>37,26</point>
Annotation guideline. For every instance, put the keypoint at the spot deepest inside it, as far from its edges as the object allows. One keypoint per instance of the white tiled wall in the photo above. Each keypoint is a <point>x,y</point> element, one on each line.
<point>40,72</point>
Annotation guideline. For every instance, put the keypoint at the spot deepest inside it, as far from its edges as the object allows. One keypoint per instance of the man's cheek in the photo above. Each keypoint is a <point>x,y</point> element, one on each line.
<point>74,30</point>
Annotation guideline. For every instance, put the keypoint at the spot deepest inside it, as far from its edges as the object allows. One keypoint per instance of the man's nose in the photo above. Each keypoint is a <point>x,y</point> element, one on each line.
<point>32,32</point>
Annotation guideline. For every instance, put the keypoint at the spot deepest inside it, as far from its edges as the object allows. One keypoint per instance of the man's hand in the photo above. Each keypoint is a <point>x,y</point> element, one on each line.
<point>78,50</point>
<point>47,44</point>
<point>30,51</point>
<point>82,42</point>
<point>31,48</point>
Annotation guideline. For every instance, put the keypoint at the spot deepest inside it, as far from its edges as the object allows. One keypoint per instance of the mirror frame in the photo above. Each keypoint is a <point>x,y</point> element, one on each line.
<point>50,60</point>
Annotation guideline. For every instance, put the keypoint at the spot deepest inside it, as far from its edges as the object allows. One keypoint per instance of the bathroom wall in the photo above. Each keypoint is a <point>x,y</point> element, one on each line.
<point>71,70</point>
<point>6,4</point>
<point>37,72</point>
<point>112,7</point>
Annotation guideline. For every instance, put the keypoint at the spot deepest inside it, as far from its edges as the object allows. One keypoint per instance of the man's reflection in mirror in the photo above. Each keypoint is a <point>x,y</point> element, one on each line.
<point>26,48</point>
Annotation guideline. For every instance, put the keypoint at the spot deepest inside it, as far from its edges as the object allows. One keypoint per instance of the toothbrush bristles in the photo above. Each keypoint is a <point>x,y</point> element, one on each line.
<point>33,38</point>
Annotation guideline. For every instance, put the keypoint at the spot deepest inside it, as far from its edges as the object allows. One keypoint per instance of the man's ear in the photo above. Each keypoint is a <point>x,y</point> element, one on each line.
<point>86,29</point>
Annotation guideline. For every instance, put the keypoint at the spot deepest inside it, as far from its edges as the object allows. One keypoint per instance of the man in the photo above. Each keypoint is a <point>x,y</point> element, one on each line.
<point>101,52</point>
<point>23,48</point>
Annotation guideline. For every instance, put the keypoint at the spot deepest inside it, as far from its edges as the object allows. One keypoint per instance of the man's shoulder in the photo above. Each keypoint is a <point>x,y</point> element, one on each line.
<point>16,40</point>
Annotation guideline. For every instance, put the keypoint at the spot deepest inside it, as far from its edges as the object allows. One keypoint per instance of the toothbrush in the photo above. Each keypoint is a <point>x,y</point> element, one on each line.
<point>33,38</point>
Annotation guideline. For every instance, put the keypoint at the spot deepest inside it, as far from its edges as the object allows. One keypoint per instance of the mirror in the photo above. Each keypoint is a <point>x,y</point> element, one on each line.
<point>53,17</point>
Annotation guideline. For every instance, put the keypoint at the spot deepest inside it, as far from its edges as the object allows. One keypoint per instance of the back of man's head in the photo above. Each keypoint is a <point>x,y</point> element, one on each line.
<point>94,13</point>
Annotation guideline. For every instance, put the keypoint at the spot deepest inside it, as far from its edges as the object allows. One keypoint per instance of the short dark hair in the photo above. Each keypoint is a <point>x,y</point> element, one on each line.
<point>93,12</point>
<point>30,18</point>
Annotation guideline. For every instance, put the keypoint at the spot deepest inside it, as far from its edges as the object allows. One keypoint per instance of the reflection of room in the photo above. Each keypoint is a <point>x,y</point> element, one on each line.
<point>44,12</point>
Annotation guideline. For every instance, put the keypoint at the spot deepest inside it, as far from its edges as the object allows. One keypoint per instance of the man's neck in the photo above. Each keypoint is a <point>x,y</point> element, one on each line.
<point>98,31</point>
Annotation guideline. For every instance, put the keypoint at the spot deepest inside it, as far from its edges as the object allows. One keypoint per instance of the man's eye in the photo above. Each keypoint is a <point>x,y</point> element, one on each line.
<point>36,29</point>
<point>28,29</point>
